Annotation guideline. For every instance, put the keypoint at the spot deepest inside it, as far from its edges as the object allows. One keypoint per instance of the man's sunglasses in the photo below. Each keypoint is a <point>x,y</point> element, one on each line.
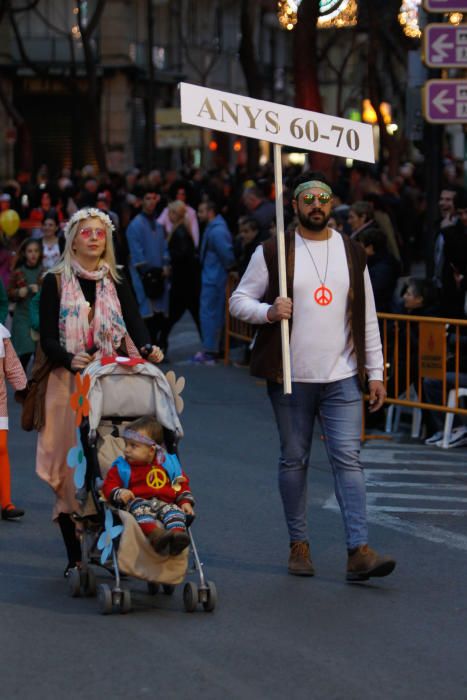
<point>322,198</point>
<point>99,233</point>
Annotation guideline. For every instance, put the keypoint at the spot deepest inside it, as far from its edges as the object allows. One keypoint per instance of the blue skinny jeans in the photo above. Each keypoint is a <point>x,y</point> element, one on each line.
<point>339,406</point>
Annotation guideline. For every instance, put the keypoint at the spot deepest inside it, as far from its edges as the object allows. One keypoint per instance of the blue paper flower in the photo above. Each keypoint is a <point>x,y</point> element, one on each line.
<point>77,461</point>
<point>110,533</point>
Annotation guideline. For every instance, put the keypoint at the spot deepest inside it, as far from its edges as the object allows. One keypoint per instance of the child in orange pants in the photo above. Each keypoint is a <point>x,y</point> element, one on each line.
<point>11,369</point>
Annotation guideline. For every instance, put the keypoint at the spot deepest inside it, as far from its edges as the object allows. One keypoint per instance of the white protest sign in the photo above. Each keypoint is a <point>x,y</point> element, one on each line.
<point>268,121</point>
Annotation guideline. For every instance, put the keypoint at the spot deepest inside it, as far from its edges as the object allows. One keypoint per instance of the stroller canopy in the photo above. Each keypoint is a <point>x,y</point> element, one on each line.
<point>118,390</point>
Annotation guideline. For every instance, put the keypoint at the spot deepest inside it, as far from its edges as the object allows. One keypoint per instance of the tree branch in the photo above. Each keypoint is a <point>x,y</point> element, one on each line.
<point>32,5</point>
<point>49,25</point>
<point>93,23</point>
<point>9,108</point>
<point>19,41</point>
<point>3,8</point>
<point>246,51</point>
<point>203,74</point>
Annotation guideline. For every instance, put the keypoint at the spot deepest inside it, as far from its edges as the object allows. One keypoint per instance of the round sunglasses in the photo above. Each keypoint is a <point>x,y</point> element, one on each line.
<point>322,198</point>
<point>99,233</point>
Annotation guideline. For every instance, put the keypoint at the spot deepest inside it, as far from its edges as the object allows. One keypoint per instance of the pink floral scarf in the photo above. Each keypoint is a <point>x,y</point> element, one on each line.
<point>107,328</point>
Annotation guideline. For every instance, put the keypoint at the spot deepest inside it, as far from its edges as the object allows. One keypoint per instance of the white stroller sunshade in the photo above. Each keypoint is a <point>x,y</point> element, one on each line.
<point>140,390</point>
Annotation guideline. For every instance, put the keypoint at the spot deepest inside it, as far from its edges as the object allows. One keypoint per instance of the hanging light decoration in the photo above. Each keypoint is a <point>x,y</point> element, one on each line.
<point>456,17</point>
<point>332,13</point>
<point>337,14</point>
<point>287,13</point>
<point>408,18</point>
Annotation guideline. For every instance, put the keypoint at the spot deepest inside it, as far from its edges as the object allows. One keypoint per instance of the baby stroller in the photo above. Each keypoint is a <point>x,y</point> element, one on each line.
<point>110,393</point>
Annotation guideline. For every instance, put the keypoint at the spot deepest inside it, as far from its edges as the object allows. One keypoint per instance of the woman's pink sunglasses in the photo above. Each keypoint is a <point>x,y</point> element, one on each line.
<point>100,233</point>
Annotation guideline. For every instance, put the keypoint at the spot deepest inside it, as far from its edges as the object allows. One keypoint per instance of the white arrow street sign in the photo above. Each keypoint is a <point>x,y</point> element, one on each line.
<point>442,101</point>
<point>441,48</point>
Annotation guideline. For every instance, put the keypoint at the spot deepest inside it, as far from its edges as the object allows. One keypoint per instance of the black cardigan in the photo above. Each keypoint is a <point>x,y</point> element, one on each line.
<point>49,309</point>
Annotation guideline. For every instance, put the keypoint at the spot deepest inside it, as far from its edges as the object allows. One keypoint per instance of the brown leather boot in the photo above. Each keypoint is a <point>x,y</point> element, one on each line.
<point>365,562</point>
<point>160,540</point>
<point>300,563</point>
<point>180,541</point>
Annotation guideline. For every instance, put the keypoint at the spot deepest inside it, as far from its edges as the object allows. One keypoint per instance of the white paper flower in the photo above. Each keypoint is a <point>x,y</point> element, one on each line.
<point>177,386</point>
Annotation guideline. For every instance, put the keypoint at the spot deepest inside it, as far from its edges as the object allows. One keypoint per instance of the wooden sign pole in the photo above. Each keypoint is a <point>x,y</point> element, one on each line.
<point>282,264</point>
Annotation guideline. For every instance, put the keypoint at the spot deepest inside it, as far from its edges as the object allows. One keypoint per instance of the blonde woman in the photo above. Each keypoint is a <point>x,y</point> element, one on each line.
<point>87,310</point>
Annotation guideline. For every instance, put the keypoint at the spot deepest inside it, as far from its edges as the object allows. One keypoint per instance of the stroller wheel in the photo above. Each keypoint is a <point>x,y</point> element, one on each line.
<point>74,582</point>
<point>125,602</point>
<point>153,588</point>
<point>210,603</point>
<point>190,596</point>
<point>89,583</point>
<point>168,588</point>
<point>104,598</point>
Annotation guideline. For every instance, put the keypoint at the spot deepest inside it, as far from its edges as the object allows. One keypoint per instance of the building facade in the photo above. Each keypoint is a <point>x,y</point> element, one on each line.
<point>64,88</point>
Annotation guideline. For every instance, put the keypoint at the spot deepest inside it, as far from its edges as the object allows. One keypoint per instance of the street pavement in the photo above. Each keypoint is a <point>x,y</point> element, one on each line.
<point>272,635</point>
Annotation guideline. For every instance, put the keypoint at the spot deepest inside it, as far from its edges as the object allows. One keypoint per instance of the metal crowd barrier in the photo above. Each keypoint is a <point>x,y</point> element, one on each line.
<point>233,327</point>
<point>437,346</point>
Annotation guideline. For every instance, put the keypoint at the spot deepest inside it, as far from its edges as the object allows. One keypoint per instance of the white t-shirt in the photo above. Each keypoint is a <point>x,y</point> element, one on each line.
<point>321,347</point>
<point>51,255</point>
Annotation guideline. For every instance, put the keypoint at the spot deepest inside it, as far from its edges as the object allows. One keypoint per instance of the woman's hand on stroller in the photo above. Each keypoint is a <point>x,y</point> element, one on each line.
<point>152,353</point>
<point>81,360</point>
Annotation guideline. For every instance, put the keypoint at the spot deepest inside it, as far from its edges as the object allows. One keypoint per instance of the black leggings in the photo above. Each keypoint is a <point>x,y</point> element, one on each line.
<point>183,298</point>
<point>72,545</point>
<point>157,326</point>
<point>24,359</point>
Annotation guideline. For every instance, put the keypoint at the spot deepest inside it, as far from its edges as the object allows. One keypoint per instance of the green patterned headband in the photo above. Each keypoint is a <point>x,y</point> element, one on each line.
<point>308,185</point>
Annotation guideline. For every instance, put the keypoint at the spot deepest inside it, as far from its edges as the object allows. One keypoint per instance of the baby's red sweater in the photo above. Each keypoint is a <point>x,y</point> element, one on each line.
<point>149,481</point>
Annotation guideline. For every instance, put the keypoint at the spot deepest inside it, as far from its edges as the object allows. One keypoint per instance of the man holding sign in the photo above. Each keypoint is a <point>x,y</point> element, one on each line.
<point>334,346</point>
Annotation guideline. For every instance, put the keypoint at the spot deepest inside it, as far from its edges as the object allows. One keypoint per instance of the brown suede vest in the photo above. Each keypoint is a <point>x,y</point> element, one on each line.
<point>266,358</point>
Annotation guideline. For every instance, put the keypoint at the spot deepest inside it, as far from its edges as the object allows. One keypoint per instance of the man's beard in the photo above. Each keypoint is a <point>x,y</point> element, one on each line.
<point>310,225</point>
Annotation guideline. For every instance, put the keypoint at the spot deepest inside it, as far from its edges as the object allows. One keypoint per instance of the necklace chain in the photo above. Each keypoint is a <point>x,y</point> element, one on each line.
<point>323,281</point>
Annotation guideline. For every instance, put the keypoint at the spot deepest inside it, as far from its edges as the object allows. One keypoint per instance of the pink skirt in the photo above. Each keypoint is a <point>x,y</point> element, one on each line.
<point>55,439</point>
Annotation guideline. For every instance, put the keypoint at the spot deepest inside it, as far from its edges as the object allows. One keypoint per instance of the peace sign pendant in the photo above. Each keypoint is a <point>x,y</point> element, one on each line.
<point>323,295</point>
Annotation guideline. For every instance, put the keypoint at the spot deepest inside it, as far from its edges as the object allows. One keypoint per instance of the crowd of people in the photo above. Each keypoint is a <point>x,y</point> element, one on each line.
<point>177,235</point>
<point>128,256</point>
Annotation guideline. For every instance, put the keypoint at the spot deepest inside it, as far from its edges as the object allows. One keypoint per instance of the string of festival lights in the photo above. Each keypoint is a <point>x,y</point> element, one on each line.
<point>409,18</point>
<point>333,13</point>
<point>345,13</point>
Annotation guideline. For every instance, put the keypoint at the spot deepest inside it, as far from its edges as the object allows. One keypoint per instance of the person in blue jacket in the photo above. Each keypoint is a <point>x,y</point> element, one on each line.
<point>148,250</point>
<point>216,257</point>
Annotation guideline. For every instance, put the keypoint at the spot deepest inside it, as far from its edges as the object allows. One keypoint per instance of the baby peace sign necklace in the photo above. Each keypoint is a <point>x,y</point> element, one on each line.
<point>322,294</point>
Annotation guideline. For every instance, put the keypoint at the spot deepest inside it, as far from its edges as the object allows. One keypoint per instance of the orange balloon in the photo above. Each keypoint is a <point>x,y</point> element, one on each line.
<point>9,221</point>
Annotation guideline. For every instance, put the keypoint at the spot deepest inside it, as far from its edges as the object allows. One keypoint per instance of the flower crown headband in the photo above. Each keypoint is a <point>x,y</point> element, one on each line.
<point>88,213</point>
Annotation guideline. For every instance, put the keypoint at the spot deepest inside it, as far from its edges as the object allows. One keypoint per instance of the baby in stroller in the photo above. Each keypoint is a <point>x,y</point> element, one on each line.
<point>150,484</point>
<point>135,504</point>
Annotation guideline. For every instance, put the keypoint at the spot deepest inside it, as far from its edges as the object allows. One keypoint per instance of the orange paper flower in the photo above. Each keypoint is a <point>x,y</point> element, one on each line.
<point>79,401</point>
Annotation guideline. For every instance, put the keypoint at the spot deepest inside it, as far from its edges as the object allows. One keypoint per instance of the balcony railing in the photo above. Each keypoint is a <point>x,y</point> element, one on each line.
<point>50,50</point>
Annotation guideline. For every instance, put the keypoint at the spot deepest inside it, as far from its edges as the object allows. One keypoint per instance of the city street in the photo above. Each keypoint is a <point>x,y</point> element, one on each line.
<point>272,635</point>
